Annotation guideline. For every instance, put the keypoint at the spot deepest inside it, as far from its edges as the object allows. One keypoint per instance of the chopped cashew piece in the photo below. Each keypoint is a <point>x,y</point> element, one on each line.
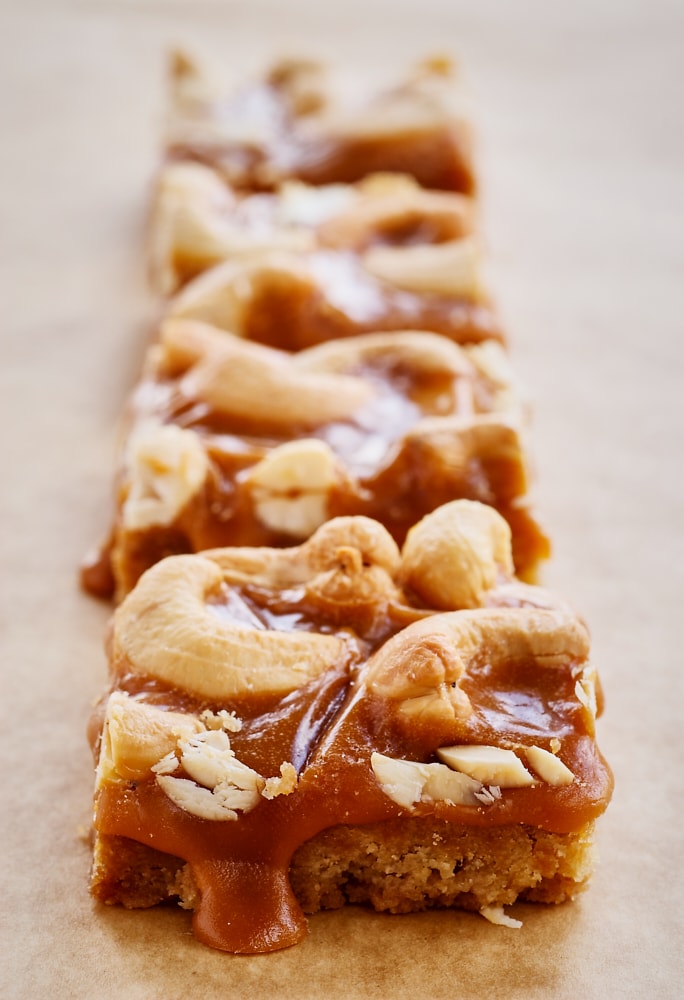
<point>585,690</point>
<point>166,467</point>
<point>135,736</point>
<point>407,782</point>
<point>221,720</point>
<point>220,803</point>
<point>306,205</point>
<point>496,915</point>
<point>281,784</point>
<point>167,765</point>
<point>548,766</point>
<point>488,764</point>
<point>209,760</point>
<point>444,785</point>
<point>291,486</point>
<point>222,784</point>
<point>488,794</point>
<point>296,516</point>
<point>401,780</point>
<point>439,269</point>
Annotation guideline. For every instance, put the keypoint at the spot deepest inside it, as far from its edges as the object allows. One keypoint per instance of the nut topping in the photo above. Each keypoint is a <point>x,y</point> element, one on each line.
<point>291,486</point>
<point>407,782</point>
<point>549,767</point>
<point>488,764</point>
<point>166,467</point>
<point>179,641</point>
<point>456,554</point>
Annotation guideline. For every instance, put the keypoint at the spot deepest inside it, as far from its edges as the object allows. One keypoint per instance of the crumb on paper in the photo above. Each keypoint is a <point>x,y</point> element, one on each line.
<point>496,915</point>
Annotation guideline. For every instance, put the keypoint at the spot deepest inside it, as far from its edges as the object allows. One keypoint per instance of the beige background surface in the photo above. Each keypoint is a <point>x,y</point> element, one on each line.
<point>581,144</point>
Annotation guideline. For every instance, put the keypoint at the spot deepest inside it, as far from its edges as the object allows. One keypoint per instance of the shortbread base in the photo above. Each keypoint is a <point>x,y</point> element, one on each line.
<point>399,866</point>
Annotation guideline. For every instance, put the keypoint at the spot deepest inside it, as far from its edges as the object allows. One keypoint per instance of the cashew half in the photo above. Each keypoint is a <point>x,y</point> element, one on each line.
<point>292,484</point>
<point>422,666</point>
<point>450,269</point>
<point>166,630</point>
<point>456,554</point>
<point>252,382</point>
<point>288,567</point>
<point>386,204</point>
<point>420,352</point>
<point>195,227</point>
<point>166,466</point>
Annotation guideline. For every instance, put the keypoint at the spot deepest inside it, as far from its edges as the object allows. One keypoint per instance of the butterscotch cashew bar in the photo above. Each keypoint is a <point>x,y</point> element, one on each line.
<point>302,727</point>
<point>198,220</point>
<point>295,123</point>
<point>295,300</point>
<point>232,442</point>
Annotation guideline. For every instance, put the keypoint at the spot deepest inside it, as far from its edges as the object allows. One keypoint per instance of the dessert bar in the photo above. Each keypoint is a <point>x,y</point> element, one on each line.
<point>293,729</point>
<point>199,220</point>
<point>295,300</point>
<point>235,443</point>
<point>304,264</point>
<point>295,122</point>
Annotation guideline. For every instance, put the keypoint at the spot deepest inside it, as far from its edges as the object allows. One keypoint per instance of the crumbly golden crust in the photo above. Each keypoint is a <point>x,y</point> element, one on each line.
<point>400,866</point>
<point>136,876</point>
<point>414,864</point>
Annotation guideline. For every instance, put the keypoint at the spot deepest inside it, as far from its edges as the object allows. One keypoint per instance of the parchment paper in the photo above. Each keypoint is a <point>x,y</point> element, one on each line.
<point>579,114</point>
